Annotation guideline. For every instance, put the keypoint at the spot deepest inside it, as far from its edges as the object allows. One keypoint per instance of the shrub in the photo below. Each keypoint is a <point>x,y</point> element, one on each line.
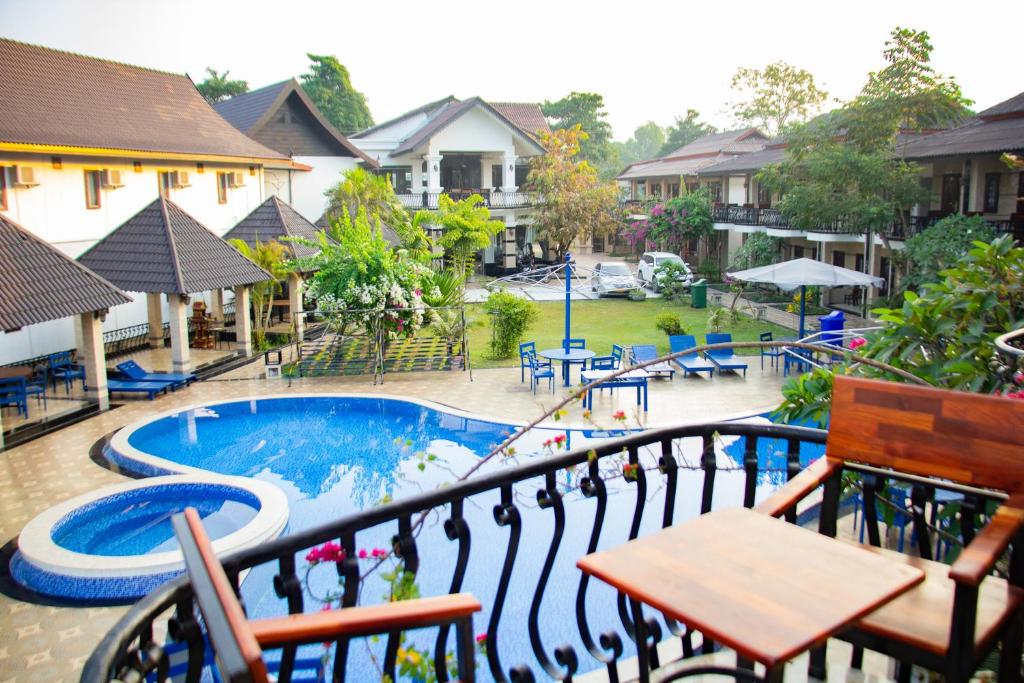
<point>637,294</point>
<point>721,317</point>
<point>511,315</point>
<point>669,323</point>
<point>938,247</point>
<point>670,277</point>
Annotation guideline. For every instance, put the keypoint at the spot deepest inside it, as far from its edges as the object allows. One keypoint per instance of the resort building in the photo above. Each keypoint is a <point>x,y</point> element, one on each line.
<point>86,143</point>
<point>459,148</point>
<point>282,117</point>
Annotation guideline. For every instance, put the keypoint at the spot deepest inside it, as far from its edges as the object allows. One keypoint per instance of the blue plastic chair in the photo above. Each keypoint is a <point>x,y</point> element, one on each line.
<point>773,354</point>
<point>539,371</point>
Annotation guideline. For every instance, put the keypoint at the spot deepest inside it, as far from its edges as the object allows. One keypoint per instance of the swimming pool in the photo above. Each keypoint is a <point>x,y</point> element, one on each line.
<point>334,455</point>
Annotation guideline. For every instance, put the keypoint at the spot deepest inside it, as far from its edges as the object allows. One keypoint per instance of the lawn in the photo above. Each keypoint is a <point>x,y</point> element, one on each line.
<point>606,322</point>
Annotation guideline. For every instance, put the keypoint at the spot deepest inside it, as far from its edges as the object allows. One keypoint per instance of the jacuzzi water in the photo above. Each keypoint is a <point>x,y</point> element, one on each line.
<point>141,523</point>
<point>334,455</point>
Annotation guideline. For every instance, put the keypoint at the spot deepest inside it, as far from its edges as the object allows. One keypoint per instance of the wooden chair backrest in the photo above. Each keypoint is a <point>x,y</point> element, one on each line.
<point>238,653</point>
<point>968,438</point>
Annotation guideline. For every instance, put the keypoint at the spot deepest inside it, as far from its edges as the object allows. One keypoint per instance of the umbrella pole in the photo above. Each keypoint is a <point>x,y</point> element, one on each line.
<point>568,300</point>
<point>803,308</point>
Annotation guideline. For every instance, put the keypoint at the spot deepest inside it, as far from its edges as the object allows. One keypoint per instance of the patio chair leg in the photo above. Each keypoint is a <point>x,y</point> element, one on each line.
<point>1010,653</point>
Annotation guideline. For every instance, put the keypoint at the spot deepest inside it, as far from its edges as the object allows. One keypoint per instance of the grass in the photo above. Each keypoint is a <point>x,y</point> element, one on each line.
<point>606,322</point>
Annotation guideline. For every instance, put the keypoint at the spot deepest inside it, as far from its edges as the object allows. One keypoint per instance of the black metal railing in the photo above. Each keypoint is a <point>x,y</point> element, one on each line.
<point>586,497</point>
<point>492,199</point>
<point>126,339</point>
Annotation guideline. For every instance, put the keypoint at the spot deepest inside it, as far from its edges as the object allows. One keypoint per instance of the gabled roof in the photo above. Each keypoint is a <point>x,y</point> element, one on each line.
<point>526,115</point>
<point>1014,105</point>
<point>251,111</point>
<point>38,283</point>
<point>272,220</point>
<point>997,129</point>
<point>428,109</point>
<point>450,113</point>
<point>746,163</point>
<point>669,167</point>
<point>728,142</point>
<point>163,249</point>
<point>50,98</point>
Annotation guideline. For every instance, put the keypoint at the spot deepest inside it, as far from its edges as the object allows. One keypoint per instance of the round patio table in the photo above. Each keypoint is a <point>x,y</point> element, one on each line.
<point>566,358</point>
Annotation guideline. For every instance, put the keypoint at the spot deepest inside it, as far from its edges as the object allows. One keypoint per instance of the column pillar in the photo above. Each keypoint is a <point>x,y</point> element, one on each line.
<point>510,246</point>
<point>217,304</point>
<point>508,171</point>
<point>92,358</point>
<point>243,323</point>
<point>485,173</point>
<point>79,341</point>
<point>181,360</point>
<point>155,317</point>
<point>433,173</point>
<point>295,284</point>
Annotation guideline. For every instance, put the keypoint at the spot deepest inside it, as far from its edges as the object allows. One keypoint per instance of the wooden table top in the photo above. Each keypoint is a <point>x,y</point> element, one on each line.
<point>766,588</point>
<point>16,371</point>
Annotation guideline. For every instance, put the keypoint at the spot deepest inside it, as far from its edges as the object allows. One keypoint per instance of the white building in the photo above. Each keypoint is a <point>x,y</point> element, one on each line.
<point>86,143</point>
<point>463,147</point>
<point>282,117</point>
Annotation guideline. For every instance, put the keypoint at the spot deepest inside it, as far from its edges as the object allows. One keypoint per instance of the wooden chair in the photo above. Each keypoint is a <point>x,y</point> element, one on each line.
<point>930,437</point>
<point>239,642</point>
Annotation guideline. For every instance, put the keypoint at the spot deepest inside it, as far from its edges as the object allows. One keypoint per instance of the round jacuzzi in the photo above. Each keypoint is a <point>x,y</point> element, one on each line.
<point>117,543</point>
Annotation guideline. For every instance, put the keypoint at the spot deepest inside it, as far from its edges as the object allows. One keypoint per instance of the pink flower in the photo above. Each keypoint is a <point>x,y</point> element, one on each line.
<point>418,291</point>
<point>1015,394</point>
<point>1018,378</point>
<point>481,638</point>
<point>619,415</point>
<point>560,439</point>
<point>857,342</point>
<point>379,552</point>
<point>363,554</point>
<point>328,552</point>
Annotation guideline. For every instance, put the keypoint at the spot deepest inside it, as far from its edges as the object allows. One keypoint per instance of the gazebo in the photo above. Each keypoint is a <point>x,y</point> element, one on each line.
<point>163,250</point>
<point>275,219</point>
<point>40,284</point>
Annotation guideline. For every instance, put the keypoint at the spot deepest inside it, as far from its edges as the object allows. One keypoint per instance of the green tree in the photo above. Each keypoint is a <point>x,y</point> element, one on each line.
<point>329,85</point>
<point>776,96</point>
<point>646,143</point>
<point>685,130</point>
<point>759,249</point>
<point>217,86</point>
<point>587,111</point>
<point>466,227</point>
<point>577,204</point>
<point>272,257</point>
<point>937,248</point>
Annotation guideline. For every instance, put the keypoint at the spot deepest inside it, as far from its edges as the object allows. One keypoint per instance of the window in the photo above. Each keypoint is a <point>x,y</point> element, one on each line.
<point>3,188</point>
<point>692,187</point>
<point>164,184</point>
<point>673,190</point>
<point>656,190</point>
<point>400,178</point>
<point>798,252</point>
<point>991,204</point>
<point>839,259</point>
<point>764,197</point>
<point>715,189</point>
<point>641,190</point>
<point>951,193</point>
<point>496,176</point>
<point>859,263</point>
<point>92,189</point>
<point>222,187</point>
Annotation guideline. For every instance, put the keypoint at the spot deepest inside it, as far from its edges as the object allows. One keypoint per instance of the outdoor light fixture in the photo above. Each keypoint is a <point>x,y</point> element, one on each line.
<point>511,167</point>
<point>435,168</point>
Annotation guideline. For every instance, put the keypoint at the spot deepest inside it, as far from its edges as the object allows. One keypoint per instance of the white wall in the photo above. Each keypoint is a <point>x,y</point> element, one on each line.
<point>308,187</point>
<point>737,193</point>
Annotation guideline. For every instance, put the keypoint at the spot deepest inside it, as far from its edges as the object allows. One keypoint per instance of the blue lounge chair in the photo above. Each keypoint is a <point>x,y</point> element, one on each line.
<point>124,386</point>
<point>689,364</point>
<point>641,353</point>
<point>135,372</point>
<point>724,359</point>
<point>539,371</point>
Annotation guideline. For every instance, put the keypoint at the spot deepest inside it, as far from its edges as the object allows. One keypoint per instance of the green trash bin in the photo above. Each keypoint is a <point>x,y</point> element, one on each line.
<point>699,294</point>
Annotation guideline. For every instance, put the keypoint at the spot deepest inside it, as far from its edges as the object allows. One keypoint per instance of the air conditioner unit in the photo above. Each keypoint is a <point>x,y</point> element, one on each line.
<point>24,176</point>
<point>236,179</point>
<point>181,179</point>
<point>111,177</point>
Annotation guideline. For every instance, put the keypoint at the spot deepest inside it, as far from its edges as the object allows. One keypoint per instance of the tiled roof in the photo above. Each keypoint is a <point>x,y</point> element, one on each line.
<point>977,136</point>
<point>746,163</point>
<point>272,220</point>
<point>49,97</point>
<point>1014,105</point>
<point>669,167</point>
<point>163,249</point>
<point>526,115</point>
<point>243,111</point>
<point>730,141</point>
<point>445,116</point>
<point>699,154</point>
<point>38,283</point>
<point>251,111</point>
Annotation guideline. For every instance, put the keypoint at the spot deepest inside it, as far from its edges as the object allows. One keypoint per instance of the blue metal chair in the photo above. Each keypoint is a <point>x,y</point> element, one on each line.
<point>539,371</point>
<point>63,367</point>
<point>14,391</point>
<point>773,354</point>
<point>578,344</point>
<point>525,348</point>
<point>603,363</point>
<point>617,352</point>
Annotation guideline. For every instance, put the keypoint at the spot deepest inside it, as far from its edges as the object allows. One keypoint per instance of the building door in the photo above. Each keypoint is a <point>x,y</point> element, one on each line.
<point>597,244</point>
<point>950,193</point>
<point>1020,192</point>
<point>886,267</point>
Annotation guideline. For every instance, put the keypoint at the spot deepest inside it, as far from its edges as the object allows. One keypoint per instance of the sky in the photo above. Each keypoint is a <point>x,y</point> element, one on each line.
<point>651,61</point>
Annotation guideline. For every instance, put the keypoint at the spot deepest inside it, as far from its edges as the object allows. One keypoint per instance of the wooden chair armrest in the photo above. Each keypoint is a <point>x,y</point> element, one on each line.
<point>978,558</point>
<point>799,486</point>
<point>317,627</point>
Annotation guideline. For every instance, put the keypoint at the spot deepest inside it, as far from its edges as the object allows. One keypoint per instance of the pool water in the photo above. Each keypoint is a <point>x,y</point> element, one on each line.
<point>139,522</point>
<point>333,456</point>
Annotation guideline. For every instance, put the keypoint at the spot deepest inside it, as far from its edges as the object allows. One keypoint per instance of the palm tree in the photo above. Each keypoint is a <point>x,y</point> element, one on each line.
<point>272,257</point>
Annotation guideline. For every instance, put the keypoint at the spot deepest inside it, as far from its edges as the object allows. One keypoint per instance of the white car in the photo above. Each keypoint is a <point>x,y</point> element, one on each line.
<point>649,263</point>
<point>612,277</point>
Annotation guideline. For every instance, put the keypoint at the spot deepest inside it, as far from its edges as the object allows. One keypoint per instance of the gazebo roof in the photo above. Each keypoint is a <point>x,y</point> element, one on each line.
<point>162,249</point>
<point>38,283</point>
<point>272,220</point>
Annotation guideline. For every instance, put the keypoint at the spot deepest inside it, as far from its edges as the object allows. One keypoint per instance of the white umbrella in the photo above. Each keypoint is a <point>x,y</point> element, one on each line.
<point>802,272</point>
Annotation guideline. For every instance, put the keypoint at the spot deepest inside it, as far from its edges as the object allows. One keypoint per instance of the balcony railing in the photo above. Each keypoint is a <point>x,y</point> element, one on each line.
<point>492,199</point>
<point>582,497</point>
